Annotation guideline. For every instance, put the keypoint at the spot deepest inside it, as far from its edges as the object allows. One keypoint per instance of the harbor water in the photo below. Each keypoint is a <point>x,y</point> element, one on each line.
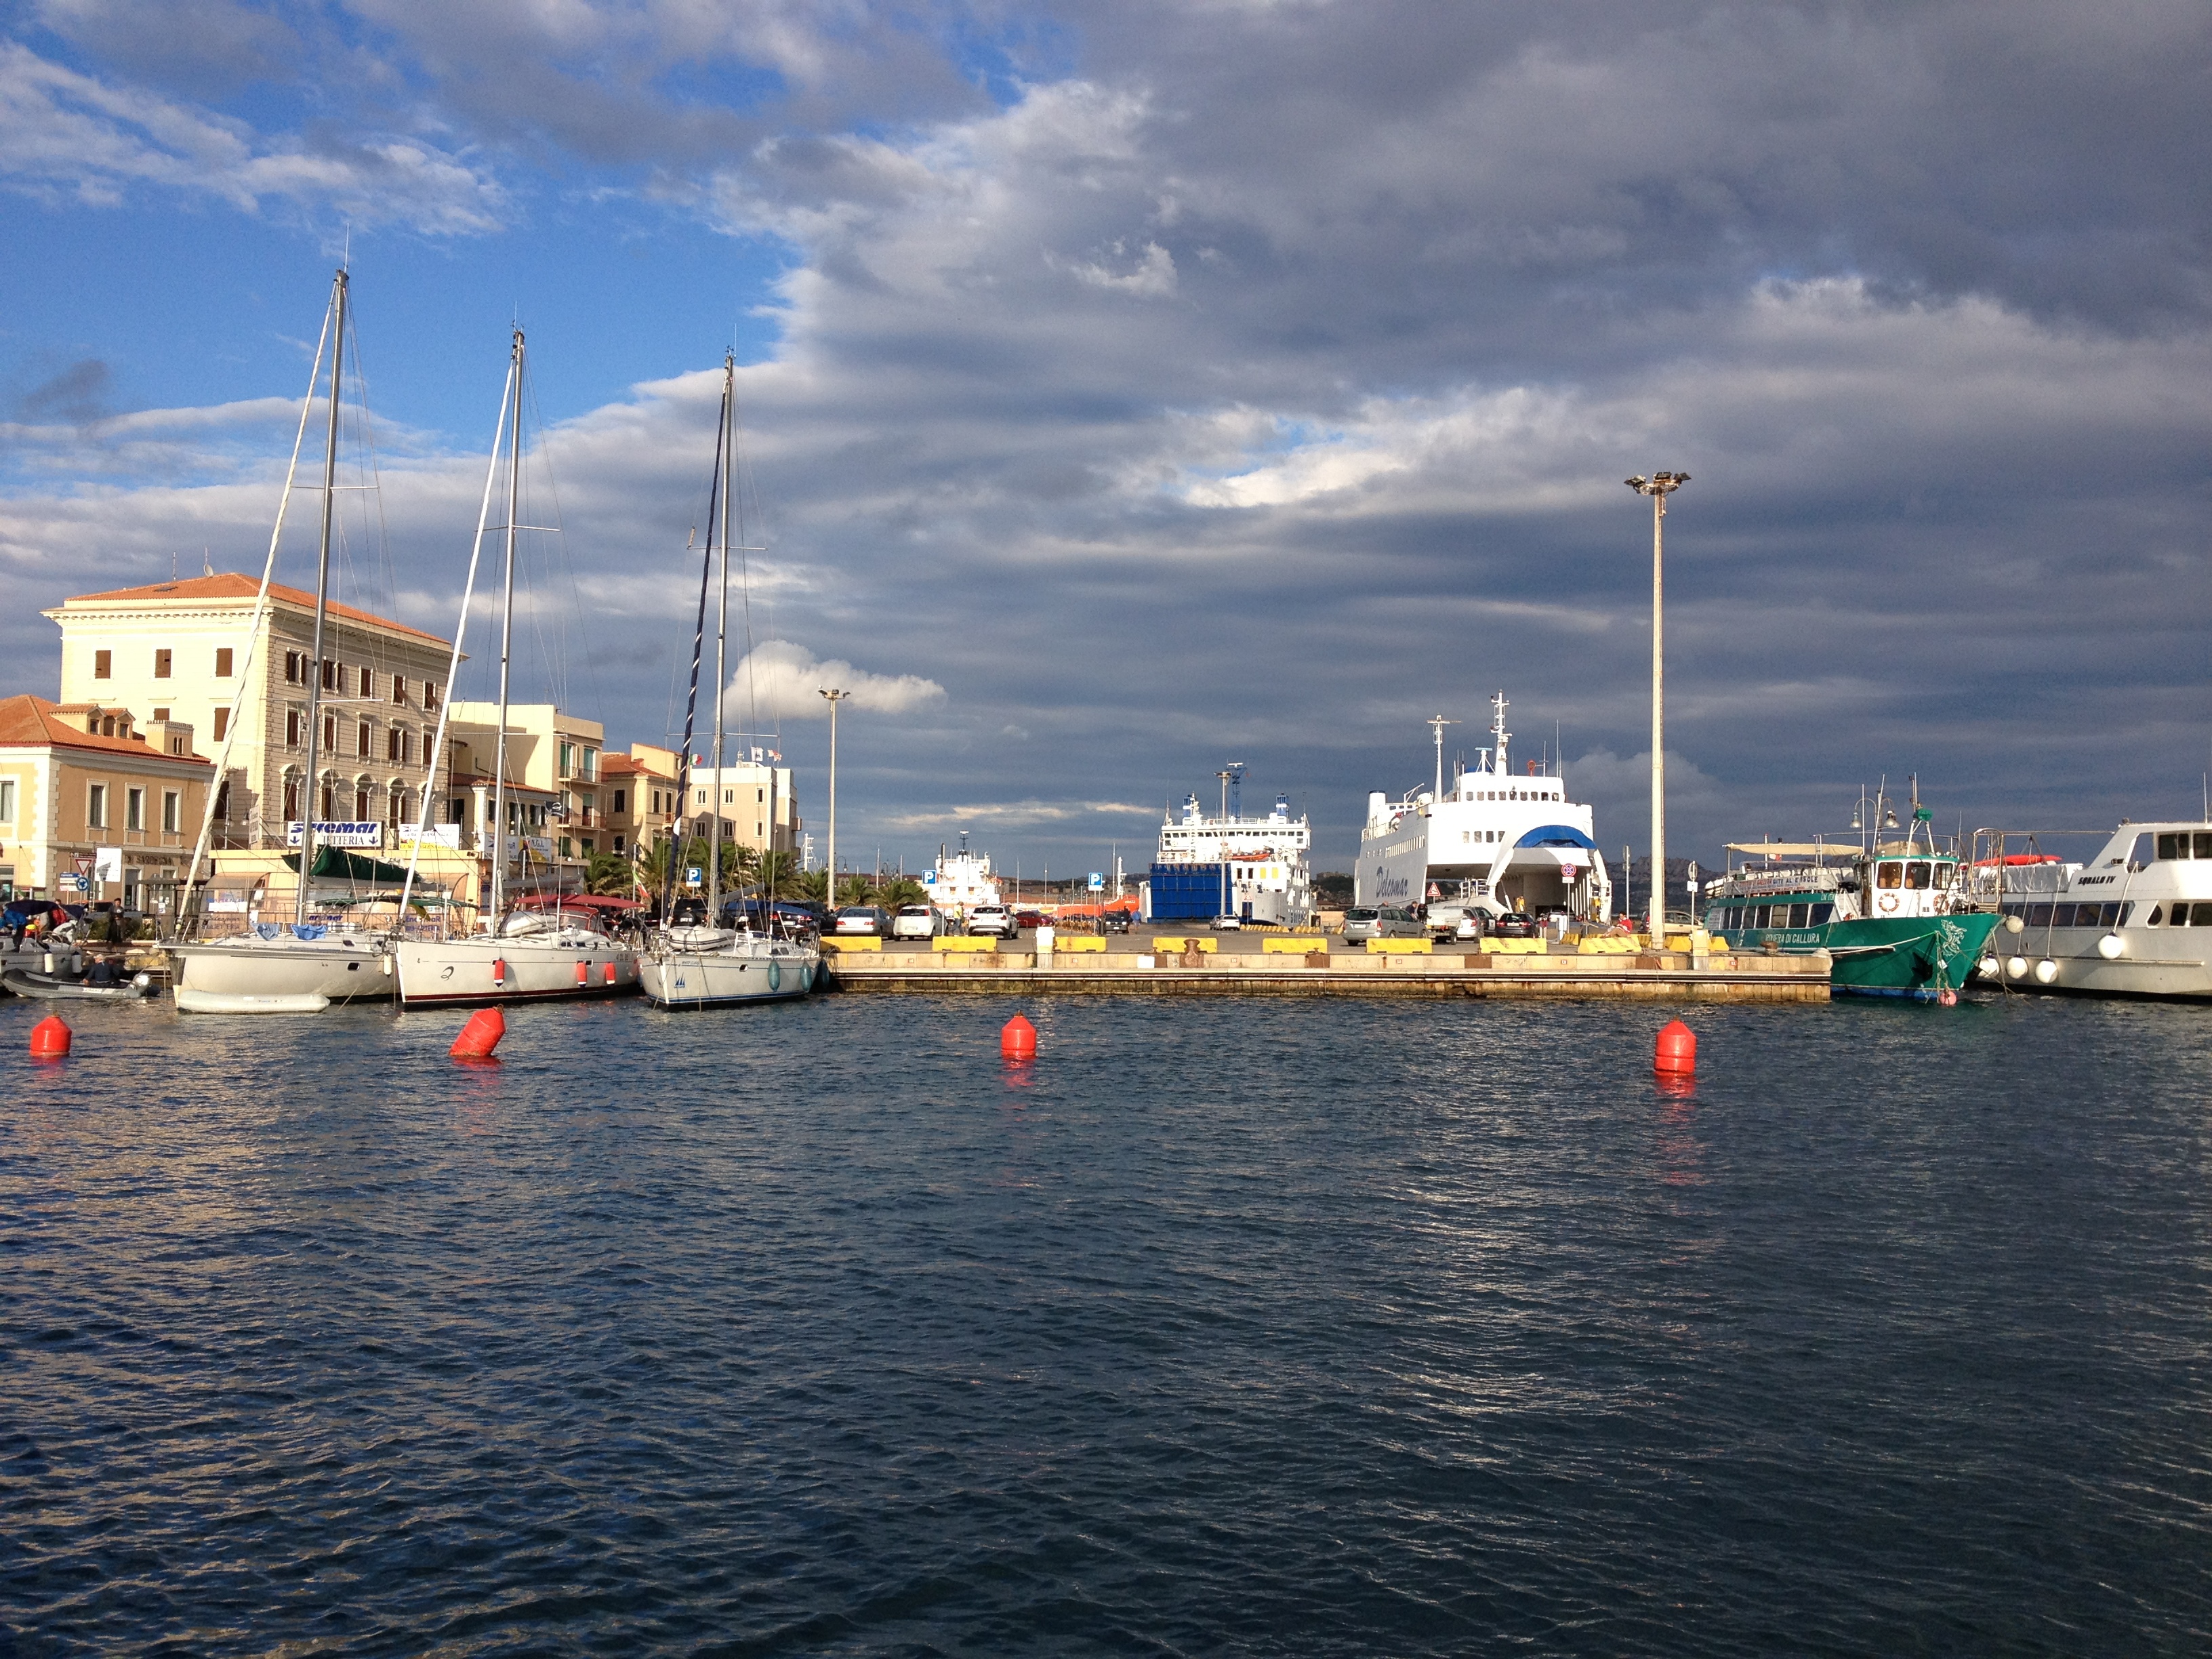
<point>1225,1327</point>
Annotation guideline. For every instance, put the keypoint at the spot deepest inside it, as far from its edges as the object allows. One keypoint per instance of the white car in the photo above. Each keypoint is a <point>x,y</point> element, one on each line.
<point>993,919</point>
<point>917,921</point>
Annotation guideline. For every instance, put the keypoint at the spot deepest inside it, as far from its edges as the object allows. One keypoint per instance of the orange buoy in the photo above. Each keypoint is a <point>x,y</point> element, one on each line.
<point>50,1038</point>
<point>480,1035</point>
<point>1018,1039</point>
<point>1677,1050</point>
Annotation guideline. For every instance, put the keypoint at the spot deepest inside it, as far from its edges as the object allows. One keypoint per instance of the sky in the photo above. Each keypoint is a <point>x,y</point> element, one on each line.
<point>1128,389</point>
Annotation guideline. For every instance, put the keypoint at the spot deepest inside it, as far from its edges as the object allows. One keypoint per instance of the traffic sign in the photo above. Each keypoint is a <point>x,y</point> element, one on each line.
<point>84,863</point>
<point>1098,882</point>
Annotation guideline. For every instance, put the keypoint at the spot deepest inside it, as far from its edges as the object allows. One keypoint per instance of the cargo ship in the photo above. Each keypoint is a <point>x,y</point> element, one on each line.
<point>1493,843</point>
<point>1252,868</point>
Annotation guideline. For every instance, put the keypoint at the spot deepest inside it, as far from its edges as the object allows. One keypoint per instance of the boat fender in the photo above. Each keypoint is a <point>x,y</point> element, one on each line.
<point>2112,947</point>
<point>498,972</point>
<point>609,977</point>
<point>774,975</point>
<point>2045,971</point>
<point>583,973</point>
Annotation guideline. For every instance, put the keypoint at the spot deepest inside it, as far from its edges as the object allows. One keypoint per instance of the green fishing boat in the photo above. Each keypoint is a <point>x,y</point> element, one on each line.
<point>1896,918</point>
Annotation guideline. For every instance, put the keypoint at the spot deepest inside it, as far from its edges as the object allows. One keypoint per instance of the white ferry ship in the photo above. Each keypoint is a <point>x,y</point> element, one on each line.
<point>2136,921</point>
<point>962,880</point>
<point>1253,868</point>
<point>1493,842</point>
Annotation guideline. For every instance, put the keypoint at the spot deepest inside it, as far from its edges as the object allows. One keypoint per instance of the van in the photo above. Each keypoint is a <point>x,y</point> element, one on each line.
<point>1384,921</point>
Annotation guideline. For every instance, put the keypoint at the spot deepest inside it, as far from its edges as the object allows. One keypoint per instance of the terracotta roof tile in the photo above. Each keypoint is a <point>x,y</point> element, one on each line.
<point>229,585</point>
<point>32,720</point>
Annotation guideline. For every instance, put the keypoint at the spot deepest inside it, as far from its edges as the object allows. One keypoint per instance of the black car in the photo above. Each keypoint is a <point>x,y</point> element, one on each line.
<point>1514,924</point>
<point>1114,921</point>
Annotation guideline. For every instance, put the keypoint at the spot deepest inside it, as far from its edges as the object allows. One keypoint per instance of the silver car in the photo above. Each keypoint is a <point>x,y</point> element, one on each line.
<point>1384,921</point>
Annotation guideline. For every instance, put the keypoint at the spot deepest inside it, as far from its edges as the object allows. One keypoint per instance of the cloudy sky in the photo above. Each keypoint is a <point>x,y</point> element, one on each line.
<point>1130,388</point>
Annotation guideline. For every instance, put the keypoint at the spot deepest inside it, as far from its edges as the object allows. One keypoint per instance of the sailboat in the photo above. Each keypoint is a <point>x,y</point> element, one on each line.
<point>521,954</point>
<point>698,963</point>
<point>308,964</point>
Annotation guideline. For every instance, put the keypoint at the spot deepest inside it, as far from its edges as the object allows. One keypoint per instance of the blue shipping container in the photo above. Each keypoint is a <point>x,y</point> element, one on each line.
<point>1186,892</point>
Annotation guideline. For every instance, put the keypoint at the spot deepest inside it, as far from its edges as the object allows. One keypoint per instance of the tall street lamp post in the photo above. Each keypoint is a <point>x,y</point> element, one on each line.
<point>1658,487</point>
<point>830,888</point>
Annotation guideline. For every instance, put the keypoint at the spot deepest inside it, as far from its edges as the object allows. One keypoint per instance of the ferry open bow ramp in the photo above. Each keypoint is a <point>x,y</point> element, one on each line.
<point>1230,972</point>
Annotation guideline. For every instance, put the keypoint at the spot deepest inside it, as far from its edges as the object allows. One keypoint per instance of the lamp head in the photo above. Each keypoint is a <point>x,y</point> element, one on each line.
<point>1638,483</point>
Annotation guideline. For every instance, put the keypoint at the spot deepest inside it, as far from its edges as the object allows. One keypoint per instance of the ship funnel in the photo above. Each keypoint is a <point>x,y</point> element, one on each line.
<point>1378,807</point>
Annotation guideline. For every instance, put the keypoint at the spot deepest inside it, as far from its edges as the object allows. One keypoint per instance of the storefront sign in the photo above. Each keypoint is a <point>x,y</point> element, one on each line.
<point>367,835</point>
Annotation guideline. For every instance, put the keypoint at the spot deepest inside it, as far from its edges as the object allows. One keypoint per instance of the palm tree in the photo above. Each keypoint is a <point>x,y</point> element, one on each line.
<point>610,875</point>
<point>901,889</point>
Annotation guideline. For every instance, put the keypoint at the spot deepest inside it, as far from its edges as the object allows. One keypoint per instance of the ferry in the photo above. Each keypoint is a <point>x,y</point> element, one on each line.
<point>960,880</point>
<point>1252,868</point>
<point>1897,918</point>
<point>2136,921</point>
<point>1493,843</point>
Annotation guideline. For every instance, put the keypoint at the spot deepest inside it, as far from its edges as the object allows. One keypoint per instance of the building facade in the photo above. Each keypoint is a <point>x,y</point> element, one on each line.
<point>83,789</point>
<point>641,798</point>
<point>555,796</point>
<point>188,651</point>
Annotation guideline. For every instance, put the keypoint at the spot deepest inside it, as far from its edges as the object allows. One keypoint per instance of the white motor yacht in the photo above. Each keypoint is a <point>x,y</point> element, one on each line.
<point>2135,920</point>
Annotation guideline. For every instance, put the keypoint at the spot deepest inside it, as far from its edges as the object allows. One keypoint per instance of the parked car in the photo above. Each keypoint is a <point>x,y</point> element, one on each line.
<point>864,919</point>
<point>1227,924</point>
<point>1380,921</point>
<point>1114,921</point>
<point>1029,919</point>
<point>993,919</point>
<point>917,921</point>
<point>1515,923</point>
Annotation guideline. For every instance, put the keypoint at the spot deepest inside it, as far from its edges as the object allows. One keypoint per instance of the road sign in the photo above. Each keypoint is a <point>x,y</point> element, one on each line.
<point>1098,882</point>
<point>77,884</point>
<point>692,875</point>
<point>84,861</point>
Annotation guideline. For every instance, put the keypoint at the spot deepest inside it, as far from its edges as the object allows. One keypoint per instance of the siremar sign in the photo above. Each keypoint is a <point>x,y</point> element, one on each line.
<point>367,835</point>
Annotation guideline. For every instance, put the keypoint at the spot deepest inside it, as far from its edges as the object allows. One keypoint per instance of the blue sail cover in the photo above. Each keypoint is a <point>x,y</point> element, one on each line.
<point>1557,834</point>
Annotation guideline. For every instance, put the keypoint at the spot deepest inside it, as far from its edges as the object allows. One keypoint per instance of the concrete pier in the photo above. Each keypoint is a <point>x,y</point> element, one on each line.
<point>1245,968</point>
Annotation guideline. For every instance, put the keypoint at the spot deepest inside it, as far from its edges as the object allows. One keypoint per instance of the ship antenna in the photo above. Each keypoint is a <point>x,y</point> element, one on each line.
<point>1436,724</point>
<point>1498,705</point>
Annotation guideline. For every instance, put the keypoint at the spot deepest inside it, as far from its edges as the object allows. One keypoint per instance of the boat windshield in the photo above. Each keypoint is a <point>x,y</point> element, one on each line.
<point>1891,874</point>
<point>1916,875</point>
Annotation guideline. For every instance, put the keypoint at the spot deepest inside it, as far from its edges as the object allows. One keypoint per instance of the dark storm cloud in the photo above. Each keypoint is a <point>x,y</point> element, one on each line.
<point>78,394</point>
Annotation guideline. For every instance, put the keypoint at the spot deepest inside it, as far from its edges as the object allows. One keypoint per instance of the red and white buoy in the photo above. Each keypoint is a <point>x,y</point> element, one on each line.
<point>1676,1052</point>
<point>1018,1039</point>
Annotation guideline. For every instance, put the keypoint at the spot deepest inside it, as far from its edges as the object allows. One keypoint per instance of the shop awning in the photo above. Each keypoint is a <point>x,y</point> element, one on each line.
<point>336,864</point>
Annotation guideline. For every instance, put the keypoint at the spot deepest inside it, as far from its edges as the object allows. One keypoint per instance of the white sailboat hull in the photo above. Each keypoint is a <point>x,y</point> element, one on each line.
<point>348,968</point>
<point>755,970</point>
<point>483,969</point>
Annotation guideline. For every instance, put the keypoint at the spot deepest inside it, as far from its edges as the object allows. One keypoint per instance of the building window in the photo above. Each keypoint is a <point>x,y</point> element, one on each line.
<point>160,714</point>
<point>103,664</point>
<point>291,668</point>
<point>360,803</point>
<point>399,688</point>
<point>107,726</point>
<point>295,723</point>
<point>222,724</point>
<point>330,799</point>
<point>330,734</point>
<point>429,697</point>
<point>618,844</point>
<point>7,800</point>
<point>222,662</point>
<point>368,684</point>
<point>591,764</point>
<point>622,797</point>
<point>361,740</point>
<point>568,758</point>
<point>391,744</point>
<point>95,805</point>
<point>291,798</point>
<point>565,853</point>
<point>330,675</point>
<point>223,800</point>
<point>170,807</point>
<point>161,660</point>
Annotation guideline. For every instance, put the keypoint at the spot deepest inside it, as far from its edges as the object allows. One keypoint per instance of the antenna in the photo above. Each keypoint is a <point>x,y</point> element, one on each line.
<point>1436,724</point>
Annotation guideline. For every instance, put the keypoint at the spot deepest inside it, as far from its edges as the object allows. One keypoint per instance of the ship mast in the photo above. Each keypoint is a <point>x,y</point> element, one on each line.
<point>1497,732</point>
<point>1436,724</point>
<point>322,604</point>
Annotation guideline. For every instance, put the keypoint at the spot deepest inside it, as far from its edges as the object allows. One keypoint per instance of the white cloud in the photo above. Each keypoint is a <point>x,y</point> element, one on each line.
<point>1017,814</point>
<point>784,681</point>
<point>63,133</point>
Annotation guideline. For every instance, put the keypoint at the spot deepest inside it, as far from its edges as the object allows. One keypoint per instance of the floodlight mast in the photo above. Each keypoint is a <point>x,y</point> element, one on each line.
<point>1658,487</point>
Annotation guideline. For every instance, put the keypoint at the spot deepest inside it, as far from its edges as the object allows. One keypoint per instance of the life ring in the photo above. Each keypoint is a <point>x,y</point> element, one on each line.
<point>774,975</point>
<point>1888,901</point>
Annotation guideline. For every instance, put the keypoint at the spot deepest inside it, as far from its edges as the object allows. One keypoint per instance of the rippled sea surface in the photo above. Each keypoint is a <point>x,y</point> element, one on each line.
<point>1223,1328</point>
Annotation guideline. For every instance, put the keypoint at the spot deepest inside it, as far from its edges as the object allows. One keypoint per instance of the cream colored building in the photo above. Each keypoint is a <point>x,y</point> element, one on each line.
<point>83,785</point>
<point>556,795</point>
<point>186,651</point>
<point>640,798</point>
<point>758,807</point>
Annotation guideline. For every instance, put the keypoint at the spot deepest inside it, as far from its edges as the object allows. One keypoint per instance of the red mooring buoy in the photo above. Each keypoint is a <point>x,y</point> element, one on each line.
<point>1677,1050</point>
<point>1018,1039</point>
<point>480,1035</point>
<point>50,1038</point>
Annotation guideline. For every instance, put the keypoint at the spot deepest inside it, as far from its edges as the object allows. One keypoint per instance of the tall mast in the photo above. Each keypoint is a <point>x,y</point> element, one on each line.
<point>1499,736</point>
<point>322,604</point>
<point>725,438</point>
<point>506,644</point>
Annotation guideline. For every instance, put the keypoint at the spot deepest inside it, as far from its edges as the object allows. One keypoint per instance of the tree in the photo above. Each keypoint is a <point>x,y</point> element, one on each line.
<point>901,889</point>
<point>610,875</point>
<point>853,889</point>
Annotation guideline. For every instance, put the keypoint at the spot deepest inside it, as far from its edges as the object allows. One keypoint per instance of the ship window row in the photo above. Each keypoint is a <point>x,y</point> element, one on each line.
<point>1731,918</point>
<point>1913,875</point>
<point>2182,916</point>
<point>1517,794</point>
<point>2177,843</point>
<point>2078,915</point>
<point>1480,834</point>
